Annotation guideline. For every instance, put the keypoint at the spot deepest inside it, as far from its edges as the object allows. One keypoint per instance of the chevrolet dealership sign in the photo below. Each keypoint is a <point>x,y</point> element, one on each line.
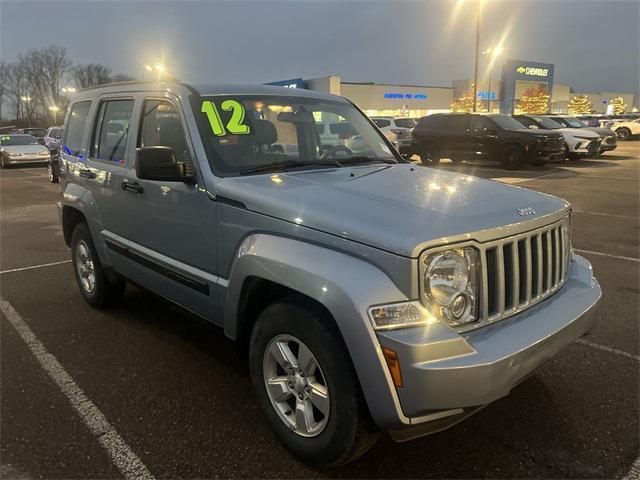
<point>533,71</point>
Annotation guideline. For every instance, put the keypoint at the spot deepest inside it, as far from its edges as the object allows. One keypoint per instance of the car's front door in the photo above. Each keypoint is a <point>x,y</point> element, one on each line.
<point>171,225</point>
<point>459,142</point>
<point>484,136</point>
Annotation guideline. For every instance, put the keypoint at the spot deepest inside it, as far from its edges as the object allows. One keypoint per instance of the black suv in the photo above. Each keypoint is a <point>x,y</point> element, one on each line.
<point>475,136</point>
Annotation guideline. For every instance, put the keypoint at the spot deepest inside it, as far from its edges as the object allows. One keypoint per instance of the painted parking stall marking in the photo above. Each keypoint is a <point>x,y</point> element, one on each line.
<point>121,454</point>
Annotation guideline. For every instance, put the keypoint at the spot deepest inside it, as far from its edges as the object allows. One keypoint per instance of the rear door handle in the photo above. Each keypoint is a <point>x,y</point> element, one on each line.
<point>86,173</point>
<point>132,187</point>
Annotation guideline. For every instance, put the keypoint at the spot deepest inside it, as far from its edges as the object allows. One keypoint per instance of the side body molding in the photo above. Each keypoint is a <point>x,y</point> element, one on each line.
<point>345,285</point>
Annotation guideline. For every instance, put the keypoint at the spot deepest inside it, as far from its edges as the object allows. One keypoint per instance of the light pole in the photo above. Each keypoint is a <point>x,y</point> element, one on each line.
<point>27,100</point>
<point>494,54</point>
<point>475,63</point>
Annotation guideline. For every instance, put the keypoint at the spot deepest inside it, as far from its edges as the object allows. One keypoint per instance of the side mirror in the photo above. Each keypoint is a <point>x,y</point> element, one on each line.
<point>490,131</point>
<point>159,163</point>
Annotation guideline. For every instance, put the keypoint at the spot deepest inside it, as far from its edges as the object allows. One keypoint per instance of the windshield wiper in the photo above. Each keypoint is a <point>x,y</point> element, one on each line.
<point>289,164</point>
<point>366,159</point>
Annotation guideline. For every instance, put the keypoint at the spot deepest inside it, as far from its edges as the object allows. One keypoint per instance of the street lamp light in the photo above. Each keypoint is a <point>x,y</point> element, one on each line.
<point>69,90</point>
<point>54,109</point>
<point>159,68</point>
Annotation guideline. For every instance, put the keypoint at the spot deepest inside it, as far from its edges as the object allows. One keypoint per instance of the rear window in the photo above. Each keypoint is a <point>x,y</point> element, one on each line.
<point>381,123</point>
<point>405,122</point>
<point>342,128</point>
<point>10,140</point>
<point>111,131</point>
<point>75,127</point>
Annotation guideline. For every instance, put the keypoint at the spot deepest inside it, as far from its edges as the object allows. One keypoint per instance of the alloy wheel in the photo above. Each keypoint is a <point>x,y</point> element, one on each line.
<point>296,386</point>
<point>85,267</point>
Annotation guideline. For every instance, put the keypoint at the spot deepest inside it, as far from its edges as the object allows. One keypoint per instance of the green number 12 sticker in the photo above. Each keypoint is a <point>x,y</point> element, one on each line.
<point>235,125</point>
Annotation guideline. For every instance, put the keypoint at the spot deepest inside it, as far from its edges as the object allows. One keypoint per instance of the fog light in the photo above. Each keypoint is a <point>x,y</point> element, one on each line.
<point>578,145</point>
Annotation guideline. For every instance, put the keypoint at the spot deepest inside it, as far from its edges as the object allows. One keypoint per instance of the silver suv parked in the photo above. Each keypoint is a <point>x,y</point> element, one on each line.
<point>372,294</point>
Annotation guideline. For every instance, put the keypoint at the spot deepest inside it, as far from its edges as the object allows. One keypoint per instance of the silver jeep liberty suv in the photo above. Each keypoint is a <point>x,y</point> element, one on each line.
<point>372,294</point>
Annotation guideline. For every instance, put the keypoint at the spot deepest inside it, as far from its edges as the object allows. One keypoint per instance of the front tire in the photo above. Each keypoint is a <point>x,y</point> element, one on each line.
<point>53,178</point>
<point>623,133</point>
<point>430,154</point>
<point>512,157</point>
<point>96,288</point>
<point>306,385</point>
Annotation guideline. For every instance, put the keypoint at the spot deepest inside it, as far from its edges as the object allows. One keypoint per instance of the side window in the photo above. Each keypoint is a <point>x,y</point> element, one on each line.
<point>161,126</point>
<point>111,131</point>
<point>75,128</point>
<point>381,123</point>
<point>525,121</point>
<point>478,122</point>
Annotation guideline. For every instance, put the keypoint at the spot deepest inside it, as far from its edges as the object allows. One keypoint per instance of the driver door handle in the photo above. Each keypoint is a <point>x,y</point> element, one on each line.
<point>132,187</point>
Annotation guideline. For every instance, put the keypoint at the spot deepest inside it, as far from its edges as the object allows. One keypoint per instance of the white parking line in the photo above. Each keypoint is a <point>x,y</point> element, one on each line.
<point>634,472</point>
<point>521,180</point>
<point>619,257</point>
<point>604,214</point>
<point>123,457</point>
<point>622,353</point>
<point>31,267</point>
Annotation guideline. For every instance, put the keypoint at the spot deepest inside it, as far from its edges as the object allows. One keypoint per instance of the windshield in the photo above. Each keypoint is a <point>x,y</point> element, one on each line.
<point>406,122</point>
<point>573,122</point>
<point>262,133</point>
<point>10,140</point>
<point>547,123</point>
<point>507,122</point>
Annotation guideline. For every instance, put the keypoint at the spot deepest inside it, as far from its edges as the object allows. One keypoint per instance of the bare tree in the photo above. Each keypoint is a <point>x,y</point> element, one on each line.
<point>122,77</point>
<point>49,69</point>
<point>91,74</point>
<point>4,80</point>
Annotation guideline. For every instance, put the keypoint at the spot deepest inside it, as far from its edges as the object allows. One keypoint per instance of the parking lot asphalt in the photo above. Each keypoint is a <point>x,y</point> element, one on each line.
<point>177,394</point>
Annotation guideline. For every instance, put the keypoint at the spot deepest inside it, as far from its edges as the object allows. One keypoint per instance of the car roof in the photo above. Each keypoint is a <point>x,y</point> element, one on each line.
<point>205,89</point>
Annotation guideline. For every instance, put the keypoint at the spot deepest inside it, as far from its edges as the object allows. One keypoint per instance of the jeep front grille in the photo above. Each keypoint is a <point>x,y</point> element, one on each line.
<point>521,270</point>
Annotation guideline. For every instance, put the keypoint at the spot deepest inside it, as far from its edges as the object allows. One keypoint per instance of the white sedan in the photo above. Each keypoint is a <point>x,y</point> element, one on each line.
<point>21,148</point>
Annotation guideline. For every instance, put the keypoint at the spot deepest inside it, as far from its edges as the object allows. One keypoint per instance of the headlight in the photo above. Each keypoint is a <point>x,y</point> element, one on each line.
<point>450,285</point>
<point>44,154</point>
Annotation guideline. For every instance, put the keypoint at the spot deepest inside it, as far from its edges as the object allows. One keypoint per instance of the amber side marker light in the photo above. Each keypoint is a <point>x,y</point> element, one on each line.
<point>391,357</point>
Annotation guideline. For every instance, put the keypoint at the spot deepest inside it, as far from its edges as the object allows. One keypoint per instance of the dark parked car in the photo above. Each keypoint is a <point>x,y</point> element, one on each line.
<point>466,136</point>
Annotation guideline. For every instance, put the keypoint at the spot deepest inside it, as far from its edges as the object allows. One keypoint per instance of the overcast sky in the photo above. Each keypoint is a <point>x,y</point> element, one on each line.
<point>594,44</point>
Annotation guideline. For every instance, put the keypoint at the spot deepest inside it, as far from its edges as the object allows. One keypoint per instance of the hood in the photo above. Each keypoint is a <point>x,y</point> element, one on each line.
<point>540,132</point>
<point>394,208</point>
<point>25,149</point>
<point>603,132</point>
<point>579,132</point>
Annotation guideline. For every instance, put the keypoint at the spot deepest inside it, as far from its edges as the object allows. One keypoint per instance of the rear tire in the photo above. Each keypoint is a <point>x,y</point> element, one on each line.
<point>96,288</point>
<point>574,157</point>
<point>346,431</point>
<point>512,157</point>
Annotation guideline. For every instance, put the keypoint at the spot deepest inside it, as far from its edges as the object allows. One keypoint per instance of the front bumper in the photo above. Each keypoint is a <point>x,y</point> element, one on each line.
<point>444,371</point>
<point>27,159</point>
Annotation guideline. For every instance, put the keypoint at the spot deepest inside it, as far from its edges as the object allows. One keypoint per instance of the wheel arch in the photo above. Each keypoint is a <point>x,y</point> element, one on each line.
<point>269,267</point>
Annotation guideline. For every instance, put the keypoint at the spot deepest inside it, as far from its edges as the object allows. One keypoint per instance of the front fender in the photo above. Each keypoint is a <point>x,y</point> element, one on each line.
<point>345,285</point>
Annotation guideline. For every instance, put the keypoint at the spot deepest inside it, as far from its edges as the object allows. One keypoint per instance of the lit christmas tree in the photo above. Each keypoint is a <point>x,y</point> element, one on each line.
<point>579,105</point>
<point>465,103</point>
<point>618,105</point>
<point>534,101</point>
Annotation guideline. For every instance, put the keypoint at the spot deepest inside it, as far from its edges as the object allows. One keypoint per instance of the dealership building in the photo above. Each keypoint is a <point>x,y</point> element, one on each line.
<point>519,78</point>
